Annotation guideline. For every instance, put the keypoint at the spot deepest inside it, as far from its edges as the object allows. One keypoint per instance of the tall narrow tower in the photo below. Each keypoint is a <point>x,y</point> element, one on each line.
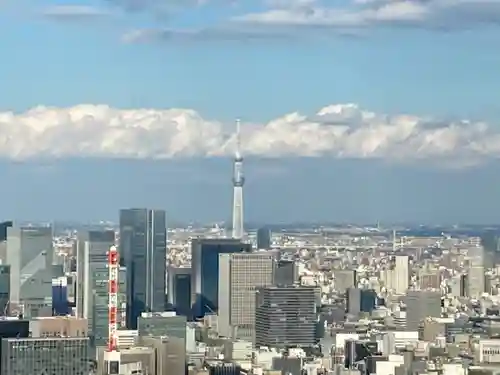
<point>112,355</point>
<point>238,182</point>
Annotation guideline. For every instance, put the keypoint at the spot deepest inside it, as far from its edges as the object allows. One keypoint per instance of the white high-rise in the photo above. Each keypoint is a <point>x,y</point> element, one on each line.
<point>397,277</point>
<point>475,271</point>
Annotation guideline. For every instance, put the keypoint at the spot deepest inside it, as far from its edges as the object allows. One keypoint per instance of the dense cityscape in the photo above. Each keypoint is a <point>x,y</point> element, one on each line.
<point>140,297</point>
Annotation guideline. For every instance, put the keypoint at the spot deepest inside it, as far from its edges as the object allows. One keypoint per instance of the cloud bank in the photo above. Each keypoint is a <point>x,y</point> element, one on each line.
<point>338,130</point>
<point>432,14</point>
<point>297,18</point>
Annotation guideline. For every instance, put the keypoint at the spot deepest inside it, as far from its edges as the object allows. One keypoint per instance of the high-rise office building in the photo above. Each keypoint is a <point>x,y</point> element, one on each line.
<point>475,271</point>
<point>30,255</point>
<point>397,276</point>
<point>99,313</point>
<point>263,238</point>
<point>285,316</point>
<point>91,251</point>
<point>92,287</point>
<point>239,277</point>
<point>360,300</point>
<point>402,277</point>
<point>179,289</point>
<point>143,247</point>
<point>4,289</point>
<point>60,304</point>
<point>421,304</point>
<point>205,271</point>
<point>55,355</point>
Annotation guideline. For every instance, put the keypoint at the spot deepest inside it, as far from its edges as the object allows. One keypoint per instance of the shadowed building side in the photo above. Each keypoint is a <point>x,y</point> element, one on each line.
<point>143,247</point>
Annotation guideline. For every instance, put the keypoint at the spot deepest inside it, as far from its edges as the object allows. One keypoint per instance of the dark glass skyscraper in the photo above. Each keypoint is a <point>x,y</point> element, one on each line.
<point>205,271</point>
<point>179,289</point>
<point>263,238</point>
<point>143,247</point>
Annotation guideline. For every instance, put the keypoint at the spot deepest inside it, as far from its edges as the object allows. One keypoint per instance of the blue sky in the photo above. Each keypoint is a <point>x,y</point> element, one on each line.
<point>258,60</point>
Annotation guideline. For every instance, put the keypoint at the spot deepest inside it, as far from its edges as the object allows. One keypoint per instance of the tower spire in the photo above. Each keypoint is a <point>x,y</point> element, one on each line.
<point>238,138</point>
<point>238,182</point>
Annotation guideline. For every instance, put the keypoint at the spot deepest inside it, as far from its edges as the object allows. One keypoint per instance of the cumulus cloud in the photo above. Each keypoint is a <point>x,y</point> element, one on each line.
<point>340,130</point>
<point>436,14</point>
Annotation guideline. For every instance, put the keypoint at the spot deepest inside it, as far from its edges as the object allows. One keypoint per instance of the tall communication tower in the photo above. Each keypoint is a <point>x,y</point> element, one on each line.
<point>112,355</point>
<point>238,182</point>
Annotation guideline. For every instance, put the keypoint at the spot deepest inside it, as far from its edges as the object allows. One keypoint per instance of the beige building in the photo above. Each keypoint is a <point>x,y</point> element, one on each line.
<point>59,326</point>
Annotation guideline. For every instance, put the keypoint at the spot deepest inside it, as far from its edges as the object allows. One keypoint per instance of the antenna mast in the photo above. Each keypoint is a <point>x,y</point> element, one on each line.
<point>112,355</point>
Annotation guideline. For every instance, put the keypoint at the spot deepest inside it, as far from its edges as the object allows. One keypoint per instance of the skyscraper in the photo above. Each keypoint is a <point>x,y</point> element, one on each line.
<point>238,182</point>
<point>30,255</point>
<point>143,248</point>
<point>91,252</point>
<point>285,316</point>
<point>397,276</point>
<point>92,283</point>
<point>402,278</point>
<point>475,271</point>
<point>240,275</point>
<point>179,289</point>
<point>263,238</point>
<point>205,271</point>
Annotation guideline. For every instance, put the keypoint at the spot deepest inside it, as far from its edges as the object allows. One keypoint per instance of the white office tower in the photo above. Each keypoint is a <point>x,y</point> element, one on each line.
<point>240,275</point>
<point>238,182</point>
<point>396,278</point>
<point>402,274</point>
<point>476,271</point>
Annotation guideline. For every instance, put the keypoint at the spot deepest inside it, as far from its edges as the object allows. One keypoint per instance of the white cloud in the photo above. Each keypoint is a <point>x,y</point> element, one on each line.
<point>204,35</point>
<point>74,11</point>
<point>438,14</point>
<point>340,130</point>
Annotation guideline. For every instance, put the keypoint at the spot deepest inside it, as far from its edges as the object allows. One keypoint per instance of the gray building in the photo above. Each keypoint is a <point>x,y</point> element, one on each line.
<point>158,324</point>
<point>205,271</point>
<point>143,247</point>
<point>30,255</point>
<point>99,310</point>
<point>285,316</point>
<point>179,289</point>
<point>239,277</point>
<point>54,356</point>
<point>170,354</point>
<point>263,238</point>
<point>286,272</point>
<point>421,304</point>
<point>92,297</point>
<point>345,279</point>
<point>4,289</point>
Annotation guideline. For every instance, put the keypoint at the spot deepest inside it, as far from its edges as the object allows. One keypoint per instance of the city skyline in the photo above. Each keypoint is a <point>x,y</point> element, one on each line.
<point>358,111</point>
